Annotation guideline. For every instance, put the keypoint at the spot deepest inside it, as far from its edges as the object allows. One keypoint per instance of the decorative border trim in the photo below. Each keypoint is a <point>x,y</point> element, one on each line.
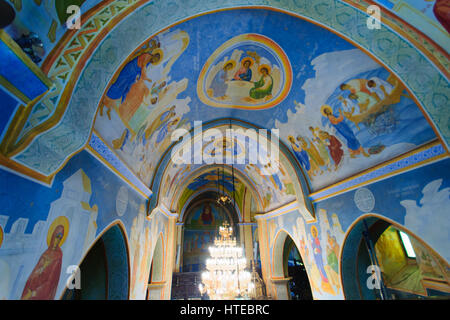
<point>102,152</point>
<point>430,152</point>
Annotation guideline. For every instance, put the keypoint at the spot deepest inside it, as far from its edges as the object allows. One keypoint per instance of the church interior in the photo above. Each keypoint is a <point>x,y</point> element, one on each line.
<point>224,150</point>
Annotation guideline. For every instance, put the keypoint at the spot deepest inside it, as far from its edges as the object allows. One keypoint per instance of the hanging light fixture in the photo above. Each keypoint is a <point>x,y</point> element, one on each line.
<point>225,277</point>
<point>223,199</point>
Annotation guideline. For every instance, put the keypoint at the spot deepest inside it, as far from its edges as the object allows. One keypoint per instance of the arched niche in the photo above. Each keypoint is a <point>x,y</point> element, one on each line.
<point>288,279</point>
<point>201,222</point>
<point>104,270</point>
<point>381,259</point>
<point>157,269</point>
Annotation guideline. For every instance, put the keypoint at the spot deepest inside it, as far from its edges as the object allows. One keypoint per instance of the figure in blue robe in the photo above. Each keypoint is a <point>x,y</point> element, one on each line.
<point>301,154</point>
<point>127,77</point>
<point>339,124</point>
<point>219,85</point>
<point>130,73</point>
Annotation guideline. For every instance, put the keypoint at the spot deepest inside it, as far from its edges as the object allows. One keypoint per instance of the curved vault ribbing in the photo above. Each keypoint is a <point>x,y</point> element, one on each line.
<point>135,15</point>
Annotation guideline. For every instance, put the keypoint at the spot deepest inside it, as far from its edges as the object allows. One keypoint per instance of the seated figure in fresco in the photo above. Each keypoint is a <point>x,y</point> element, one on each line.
<point>219,84</point>
<point>355,86</point>
<point>375,99</point>
<point>364,101</point>
<point>244,73</point>
<point>263,87</point>
<point>132,72</point>
<point>353,145</point>
<point>379,87</point>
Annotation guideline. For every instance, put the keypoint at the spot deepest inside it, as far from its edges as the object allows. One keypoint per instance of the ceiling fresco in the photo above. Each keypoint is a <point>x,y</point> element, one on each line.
<point>429,16</point>
<point>216,180</point>
<point>249,71</point>
<point>259,163</point>
<point>338,111</point>
<point>46,18</point>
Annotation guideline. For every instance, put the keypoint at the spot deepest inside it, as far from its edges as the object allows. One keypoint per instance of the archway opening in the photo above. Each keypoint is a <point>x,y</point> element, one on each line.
<point>289,274</point>
<point>295,270</point>
<point>103,274</point>
<point>202,220</point>
<point>381,260</point>
<point>156,278</point>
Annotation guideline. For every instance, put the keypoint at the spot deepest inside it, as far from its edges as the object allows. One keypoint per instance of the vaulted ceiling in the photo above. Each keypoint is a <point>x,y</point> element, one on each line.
<point>307,65</point>
<point>341,97</point>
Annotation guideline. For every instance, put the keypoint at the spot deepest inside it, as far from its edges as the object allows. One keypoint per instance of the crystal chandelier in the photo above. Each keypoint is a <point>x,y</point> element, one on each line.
<point>226,277</point>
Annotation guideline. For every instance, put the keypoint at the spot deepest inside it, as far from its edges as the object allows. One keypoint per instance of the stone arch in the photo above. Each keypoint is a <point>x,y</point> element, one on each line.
<point>112,244</point>
<point>353,252</point>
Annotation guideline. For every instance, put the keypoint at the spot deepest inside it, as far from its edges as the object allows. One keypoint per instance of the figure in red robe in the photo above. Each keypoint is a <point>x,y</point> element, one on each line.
<point>334,147</point>
<point>207,216</point>
<point>44,278</point>
<point>441,10</point>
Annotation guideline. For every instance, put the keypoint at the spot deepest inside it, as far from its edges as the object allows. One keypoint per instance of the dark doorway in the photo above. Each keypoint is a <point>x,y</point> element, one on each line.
<point>299,287</point>
<point>103,274</point>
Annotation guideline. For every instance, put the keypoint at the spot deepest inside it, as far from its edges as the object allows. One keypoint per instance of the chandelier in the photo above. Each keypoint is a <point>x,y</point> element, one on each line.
<point>222,198</point>
<point>225,277</point>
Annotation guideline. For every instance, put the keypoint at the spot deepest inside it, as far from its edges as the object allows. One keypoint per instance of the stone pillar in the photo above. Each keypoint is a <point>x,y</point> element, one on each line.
<point>281,286</point>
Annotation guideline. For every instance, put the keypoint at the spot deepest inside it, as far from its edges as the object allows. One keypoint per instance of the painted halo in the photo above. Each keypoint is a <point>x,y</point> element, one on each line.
<point>220,88</point>
<point>60,221</point>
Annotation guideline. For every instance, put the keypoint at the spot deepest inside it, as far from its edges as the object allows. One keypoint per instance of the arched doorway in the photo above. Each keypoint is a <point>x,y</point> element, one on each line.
<point>299,287</point>
<point>201,221</point>
<point>382,260</point>
<point>156,281</point>
<point>104,271</point>
<point>289,273</point>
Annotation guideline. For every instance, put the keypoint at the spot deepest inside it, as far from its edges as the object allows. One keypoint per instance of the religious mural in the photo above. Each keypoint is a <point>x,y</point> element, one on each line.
<point>339,112</point>
<point>214,180</point>
<point>362,114</point>
<point>320,242</point>
<point>43,281</point>
<point>41,237</point>
<point>141,108</point>
<point>47,19</point>
<point>429,16</point>
<point>51,247</point>
<point>249,71</point>
<point>201,227</point>
<point>143,238</point>
<point>273,187</point>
